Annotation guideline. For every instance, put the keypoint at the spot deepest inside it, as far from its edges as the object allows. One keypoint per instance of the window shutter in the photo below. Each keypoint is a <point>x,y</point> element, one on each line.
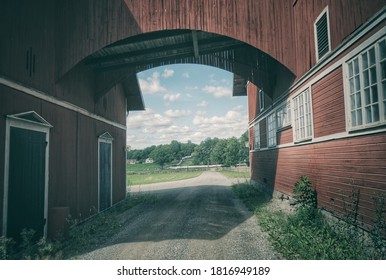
<point>322,36</point>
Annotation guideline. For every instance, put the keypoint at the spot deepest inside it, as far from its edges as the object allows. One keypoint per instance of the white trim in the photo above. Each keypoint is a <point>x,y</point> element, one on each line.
<point>339,63</point>
<point>351,40</point>
<point>325,11</point>
<point>261,100</point>
<point>36,93</point>
<point>108,139</point>
<point>346,88</point>
<point>306,136</point>
<point>15,121</point>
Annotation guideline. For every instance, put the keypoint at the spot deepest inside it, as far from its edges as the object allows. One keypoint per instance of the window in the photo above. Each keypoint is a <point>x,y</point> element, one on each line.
<point>322,35</point>
<point>366,87</point>
<point>302,115</point>
<point>261,99</point>
<point>257,136</point>
<point>284,115</point>
<point>272,130</point>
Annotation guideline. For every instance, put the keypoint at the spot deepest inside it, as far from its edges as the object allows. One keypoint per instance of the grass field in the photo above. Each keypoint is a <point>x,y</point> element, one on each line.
<point>165,176</point>
<point>142,174</point>
<point>142,168</point>
<point>236,174</point>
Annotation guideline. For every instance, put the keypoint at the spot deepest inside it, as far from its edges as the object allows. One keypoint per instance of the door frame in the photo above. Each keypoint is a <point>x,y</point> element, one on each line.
<point>108,139</point>
<point>33,122</point>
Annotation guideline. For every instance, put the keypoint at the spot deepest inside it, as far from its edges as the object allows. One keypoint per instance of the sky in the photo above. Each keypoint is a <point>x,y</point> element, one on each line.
<point>186,102</point>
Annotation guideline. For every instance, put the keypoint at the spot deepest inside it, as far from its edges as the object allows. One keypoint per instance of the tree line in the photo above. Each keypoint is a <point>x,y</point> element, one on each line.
<point>228,152</point>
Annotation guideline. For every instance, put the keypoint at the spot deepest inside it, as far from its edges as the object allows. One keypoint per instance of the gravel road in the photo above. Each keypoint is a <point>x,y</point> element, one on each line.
<point>199,218</point>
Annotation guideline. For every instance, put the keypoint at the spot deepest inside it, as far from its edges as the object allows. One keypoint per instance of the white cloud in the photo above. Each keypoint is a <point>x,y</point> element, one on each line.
<point>218,91</point>
<point>203,104</point>
<point>147,119</point>
<point>173,130</point>
<point>168,73</point>
<point>177,113</point>
<point>229,118</point>
<point>238,108</point>
<point>152,84</point>
<point>172,97</point>
<point>191,88</point>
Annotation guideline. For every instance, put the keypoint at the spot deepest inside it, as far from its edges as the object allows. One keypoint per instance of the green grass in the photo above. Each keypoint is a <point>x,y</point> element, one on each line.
<point>166,176</point>
<point>236,174</point>
<point>142,168</point>
<point>306,234</point>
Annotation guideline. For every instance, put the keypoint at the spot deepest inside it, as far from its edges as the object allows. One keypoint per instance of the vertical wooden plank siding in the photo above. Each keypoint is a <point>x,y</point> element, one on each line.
<point>253,105</point>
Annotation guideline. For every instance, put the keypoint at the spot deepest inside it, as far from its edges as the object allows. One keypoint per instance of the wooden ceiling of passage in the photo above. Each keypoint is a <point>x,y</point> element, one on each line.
<point>149,50</point>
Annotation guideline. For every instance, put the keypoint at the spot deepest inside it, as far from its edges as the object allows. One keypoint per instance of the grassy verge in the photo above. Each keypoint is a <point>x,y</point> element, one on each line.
<point>236,174</point>
<point>166,176</point>
<point>306,234</point>
<point>83,236</point>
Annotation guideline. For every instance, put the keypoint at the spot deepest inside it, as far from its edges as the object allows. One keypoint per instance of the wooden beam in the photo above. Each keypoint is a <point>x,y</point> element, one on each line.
<point>205,43</point>
<point>165,58</point>
<point>195,44</point>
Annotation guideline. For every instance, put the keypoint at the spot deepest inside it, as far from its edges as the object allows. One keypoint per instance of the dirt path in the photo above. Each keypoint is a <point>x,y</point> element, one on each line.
<point>199,218</point>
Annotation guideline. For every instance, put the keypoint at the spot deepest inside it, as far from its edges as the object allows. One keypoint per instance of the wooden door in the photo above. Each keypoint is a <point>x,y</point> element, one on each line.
<point>105,174</point>
<point>26,182</point>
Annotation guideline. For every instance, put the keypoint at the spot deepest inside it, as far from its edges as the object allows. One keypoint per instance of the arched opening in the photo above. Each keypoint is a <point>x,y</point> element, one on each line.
<point>119,61</point>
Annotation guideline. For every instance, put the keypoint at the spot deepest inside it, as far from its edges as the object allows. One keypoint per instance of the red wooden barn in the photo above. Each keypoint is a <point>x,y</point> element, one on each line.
<point>316,92</point>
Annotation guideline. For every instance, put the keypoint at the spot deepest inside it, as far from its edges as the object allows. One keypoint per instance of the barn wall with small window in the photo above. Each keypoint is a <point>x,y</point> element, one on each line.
<point>344,17</point>
<point>339,159</point>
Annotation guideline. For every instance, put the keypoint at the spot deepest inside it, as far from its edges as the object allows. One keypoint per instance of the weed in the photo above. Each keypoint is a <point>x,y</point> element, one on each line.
<point>306,234</point>
<point>84,235</point>
<point>378,233</point>
<point>305,194</point>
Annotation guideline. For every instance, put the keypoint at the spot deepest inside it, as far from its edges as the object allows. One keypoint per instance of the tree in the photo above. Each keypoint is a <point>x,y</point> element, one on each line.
<point>162,154</point>
<point>202,152</point>
<point>218,155</point>
<point>175,148</point>
<point>232,152</point>
<point>187,149</point>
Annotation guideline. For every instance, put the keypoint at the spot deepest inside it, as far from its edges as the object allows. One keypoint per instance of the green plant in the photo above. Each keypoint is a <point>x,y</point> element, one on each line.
<point>6,245</point>
<point>305,194</point>
<point>307,234</point>
<point>378,233</point>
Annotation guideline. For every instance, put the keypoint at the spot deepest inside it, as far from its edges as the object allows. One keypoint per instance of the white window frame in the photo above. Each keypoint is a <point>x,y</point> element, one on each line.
<point>261,100</point>
<point>283,115</point>
<point>358,95</point>
<point>302,116</point>
<point>272,130</point>
<point>256,137</point>
<point>325,11</point>
<point>40,125</point>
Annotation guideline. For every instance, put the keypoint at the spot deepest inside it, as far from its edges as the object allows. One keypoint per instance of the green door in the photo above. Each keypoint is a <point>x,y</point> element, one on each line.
<point>105,173</point>
<point>26,184</point>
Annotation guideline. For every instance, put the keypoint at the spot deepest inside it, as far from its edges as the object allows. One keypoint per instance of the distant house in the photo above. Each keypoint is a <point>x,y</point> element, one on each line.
<point>131,161</point>
<point>149,160</point>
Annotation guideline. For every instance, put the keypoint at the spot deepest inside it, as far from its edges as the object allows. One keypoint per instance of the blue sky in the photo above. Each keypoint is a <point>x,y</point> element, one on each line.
<point>186,102</point>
